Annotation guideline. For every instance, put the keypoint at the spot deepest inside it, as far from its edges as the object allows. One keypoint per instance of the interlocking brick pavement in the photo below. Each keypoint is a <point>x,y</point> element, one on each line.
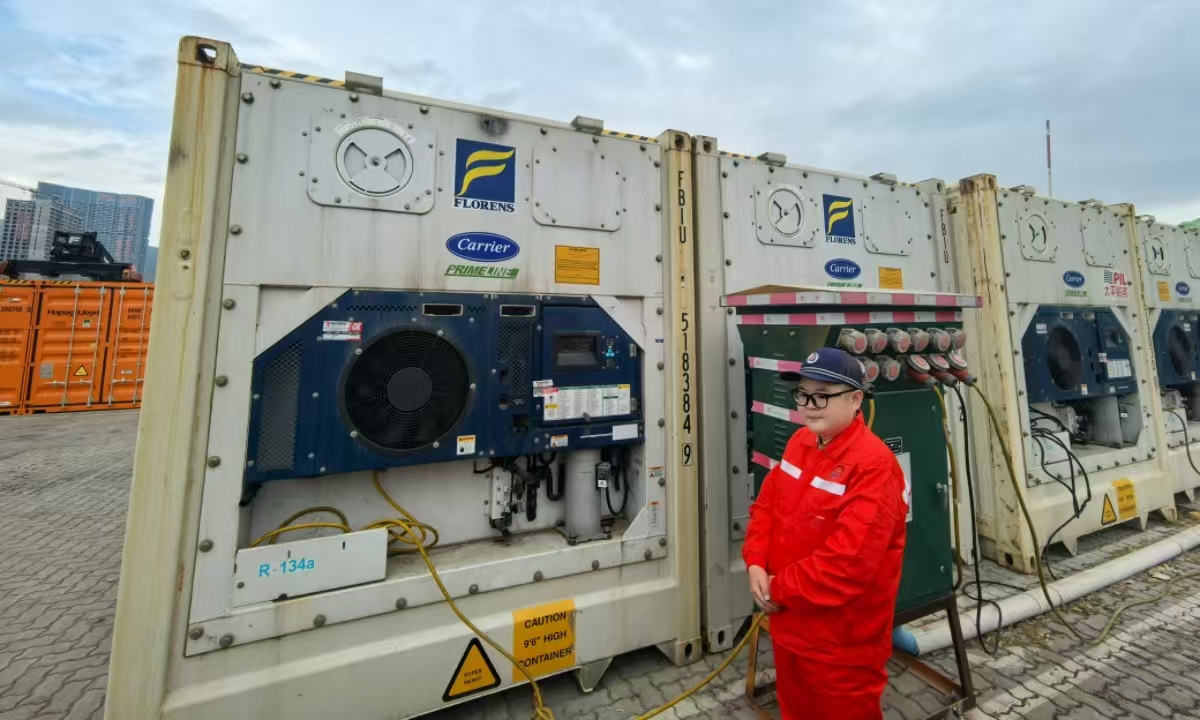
<point>64,486</point>
<point>64,489</point>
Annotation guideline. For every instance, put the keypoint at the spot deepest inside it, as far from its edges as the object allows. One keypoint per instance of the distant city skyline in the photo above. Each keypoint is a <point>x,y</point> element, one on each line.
<point>29,226</point>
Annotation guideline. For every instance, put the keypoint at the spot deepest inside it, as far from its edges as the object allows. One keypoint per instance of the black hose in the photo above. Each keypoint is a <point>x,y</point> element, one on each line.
<point>1187,442</point>
<point>618,473</point>
<point>1048,416</point>
<point>1072,461</point>
<point>962,416</point>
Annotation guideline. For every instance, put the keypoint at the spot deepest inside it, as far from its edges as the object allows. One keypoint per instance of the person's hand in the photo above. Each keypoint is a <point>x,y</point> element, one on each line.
<point>760,589</point>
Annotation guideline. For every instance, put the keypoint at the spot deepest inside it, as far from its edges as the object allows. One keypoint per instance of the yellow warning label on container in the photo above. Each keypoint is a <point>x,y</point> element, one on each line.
<point>81,372</point>
<point>474,673</point>
<point>1110,516</point>
<point>891,278</point>
<point>576,265</point>
<point>1164,290</point>
<point>544,639</point>
<point>1126,499</point>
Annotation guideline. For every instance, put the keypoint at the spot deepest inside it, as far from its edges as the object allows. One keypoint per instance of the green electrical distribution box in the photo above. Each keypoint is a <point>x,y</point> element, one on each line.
<point>907,415</point>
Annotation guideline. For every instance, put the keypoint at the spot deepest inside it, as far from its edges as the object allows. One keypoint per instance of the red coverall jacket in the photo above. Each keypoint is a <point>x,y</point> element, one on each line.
<point>829,524</point>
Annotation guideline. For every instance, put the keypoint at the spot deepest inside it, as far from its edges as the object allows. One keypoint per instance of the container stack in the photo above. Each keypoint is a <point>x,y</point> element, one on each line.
<point>68,345</point>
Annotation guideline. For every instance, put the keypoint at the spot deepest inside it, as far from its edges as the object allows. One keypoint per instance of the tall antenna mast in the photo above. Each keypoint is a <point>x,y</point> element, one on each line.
<point>1049,172</point>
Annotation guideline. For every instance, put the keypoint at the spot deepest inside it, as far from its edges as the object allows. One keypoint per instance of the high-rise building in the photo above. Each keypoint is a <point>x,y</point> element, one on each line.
<point>151,263</point>
<point>121,222</point>
<point>29,227</point>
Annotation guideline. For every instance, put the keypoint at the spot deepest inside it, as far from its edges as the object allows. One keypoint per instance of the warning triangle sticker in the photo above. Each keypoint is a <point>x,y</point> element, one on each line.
<point>474,674</point>
<point>81,372</point>
<point>1110,516</point>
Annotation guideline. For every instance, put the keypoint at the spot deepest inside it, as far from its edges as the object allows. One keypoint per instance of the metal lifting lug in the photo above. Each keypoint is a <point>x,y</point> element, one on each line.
<point>358,82</point>
<point>885,178</point>
<point>773,158</point>
<point>587,124</point>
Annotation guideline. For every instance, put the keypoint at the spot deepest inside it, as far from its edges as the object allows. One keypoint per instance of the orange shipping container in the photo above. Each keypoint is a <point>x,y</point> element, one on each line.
<point>68,355</point>
<point>128,341</point>
<point>17,301</point>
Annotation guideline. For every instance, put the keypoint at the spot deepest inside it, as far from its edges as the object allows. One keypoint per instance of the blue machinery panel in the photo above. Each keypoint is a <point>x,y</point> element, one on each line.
<point>384,379</point>
<point>1076,353</point>
<point>1176,347</point>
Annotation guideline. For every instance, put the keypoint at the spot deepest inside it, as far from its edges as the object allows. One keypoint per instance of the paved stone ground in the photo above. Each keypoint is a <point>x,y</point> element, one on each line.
<point>64,489</point>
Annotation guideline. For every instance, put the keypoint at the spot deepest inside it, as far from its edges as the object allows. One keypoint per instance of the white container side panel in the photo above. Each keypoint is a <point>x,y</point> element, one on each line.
<point>387,193</point>
<point>1058,253</point>
<point>1170,266</point>
<point>796,226</point>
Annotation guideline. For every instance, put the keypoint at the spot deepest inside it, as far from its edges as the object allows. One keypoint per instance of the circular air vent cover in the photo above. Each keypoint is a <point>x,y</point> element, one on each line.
<point>406,390</point>
<point>374,162</point>
<point>1179,348</point>
<point>1066,363</point>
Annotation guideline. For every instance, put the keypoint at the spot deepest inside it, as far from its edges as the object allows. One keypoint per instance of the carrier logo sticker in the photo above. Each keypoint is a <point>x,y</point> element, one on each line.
<point>1116,285</point>
<point>475,673</point>
<point>483,247</point>
<point>485,176</point>
<point>1074,281</point>
<point>839,219</point>
<point>842,269</point>
<point>1183,289</point>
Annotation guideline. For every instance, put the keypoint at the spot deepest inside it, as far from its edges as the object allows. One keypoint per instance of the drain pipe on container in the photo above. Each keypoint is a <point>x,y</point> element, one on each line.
<point>1031,602</point>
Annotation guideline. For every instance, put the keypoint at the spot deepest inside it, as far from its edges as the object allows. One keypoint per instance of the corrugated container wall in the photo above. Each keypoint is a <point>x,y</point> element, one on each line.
<point>71,329</point>
<point>128,341</point>
<point>17,300</point>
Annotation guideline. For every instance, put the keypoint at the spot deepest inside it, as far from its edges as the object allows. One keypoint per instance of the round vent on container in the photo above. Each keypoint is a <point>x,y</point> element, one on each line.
<point>406,390</point>
<point>1066,363</point>
<point>374,162</point>
<point>1179,348</point>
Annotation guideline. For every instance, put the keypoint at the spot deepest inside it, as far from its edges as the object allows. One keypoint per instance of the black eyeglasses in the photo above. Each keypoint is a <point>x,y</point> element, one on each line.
<point>819,401</point>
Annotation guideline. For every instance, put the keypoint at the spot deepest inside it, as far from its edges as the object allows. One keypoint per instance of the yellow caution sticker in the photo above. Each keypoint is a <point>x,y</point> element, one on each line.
<point>474,674</point>
<point>81,372</point>
<point>544,639</point>
<point>1164,291</point>
<point>1126,499</point>
<point>1110,516</point>
<point>891,278</point>
<point>576,265</point>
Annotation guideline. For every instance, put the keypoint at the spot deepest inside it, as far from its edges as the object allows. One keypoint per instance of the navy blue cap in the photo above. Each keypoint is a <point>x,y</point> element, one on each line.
<point>830,365</point>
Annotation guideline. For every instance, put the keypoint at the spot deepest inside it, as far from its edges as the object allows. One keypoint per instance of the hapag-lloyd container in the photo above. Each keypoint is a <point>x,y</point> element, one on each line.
<point>70,327</point>
<point>17,300</point>
<point>128,341</point>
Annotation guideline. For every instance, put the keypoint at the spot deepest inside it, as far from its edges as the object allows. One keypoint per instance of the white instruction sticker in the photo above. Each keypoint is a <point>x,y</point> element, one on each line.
<point>466,444</point>
<point>558,441</point>
<point>1041,329</point>
<point>594,401</point>
<point>341,330</point>
<point>625,432</point>
<point>543,383</point>
<point>1083,389</point>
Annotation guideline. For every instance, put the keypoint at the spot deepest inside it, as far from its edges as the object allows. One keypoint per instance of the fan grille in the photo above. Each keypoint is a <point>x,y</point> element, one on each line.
<point>406,390</point>
<point>1066,363</point>
<point>277,421</point>
<point>516,349</point>
<point>1179,348</point>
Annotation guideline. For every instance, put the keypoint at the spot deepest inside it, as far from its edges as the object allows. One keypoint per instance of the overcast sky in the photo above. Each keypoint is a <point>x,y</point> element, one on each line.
<point>920,89</point>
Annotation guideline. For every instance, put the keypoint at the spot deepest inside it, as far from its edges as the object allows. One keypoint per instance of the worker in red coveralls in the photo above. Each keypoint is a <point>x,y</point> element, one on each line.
<point>825,546</point>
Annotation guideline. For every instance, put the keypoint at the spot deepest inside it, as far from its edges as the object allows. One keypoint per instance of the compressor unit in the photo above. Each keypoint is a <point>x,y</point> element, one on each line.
<point>1170,275</point>
<point>387,379</point>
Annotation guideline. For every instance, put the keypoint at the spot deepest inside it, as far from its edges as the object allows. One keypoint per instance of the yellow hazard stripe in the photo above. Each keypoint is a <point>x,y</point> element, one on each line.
<point>292,75</point>
<point>628,136</point>
<point>735,155</point>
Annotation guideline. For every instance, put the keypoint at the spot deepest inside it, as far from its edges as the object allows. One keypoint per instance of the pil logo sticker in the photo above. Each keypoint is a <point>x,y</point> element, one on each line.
<point>839,219</point>
<point>485,176</point>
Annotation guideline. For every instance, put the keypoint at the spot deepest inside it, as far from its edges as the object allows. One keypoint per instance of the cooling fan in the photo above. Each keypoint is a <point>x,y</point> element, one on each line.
<point>405,391</point>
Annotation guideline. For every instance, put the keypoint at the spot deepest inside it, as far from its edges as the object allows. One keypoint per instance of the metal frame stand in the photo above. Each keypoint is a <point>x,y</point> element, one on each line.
<point>961,694</point>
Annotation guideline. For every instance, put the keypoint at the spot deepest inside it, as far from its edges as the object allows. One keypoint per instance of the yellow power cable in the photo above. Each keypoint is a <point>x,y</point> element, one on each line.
<point>871,408</point>
<point>758,617</point>
<point>954,484</point>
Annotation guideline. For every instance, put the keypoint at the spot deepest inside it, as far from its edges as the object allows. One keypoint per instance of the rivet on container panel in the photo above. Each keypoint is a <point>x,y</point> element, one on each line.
<point>248,98</point>
<point>228,303</point>
<point>401,603</point>
<point>235,229</point>
<point>276,84</point>
<point>196,633</point>
<point>226,640</point>
<point>537,576</point>
<point>214,461</point>
<point>221,381</point>
<point>243,158</point>
<point>206,545</point>
<point>319,621</point>
<point>648,554</point>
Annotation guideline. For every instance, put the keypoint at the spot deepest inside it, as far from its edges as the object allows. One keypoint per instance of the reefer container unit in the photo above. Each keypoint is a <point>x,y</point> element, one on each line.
<point>791,259</point>
<point>18,299</point>
<point>1066,360</point>
<point>1169,265</point>
<point>488,318</point>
